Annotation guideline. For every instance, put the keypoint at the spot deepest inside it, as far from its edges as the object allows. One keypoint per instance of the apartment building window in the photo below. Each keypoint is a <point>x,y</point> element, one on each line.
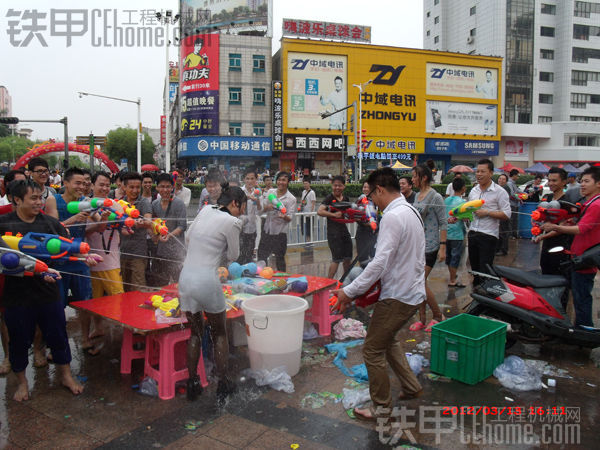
<point>547,31</point>
<point>258,129</point>
<point>235,62</point>
<point>582,140</point>
<point>235,128</point>
<point>258,63</point>
<point>428,32</point>
<point>581,55</point>
<point>585,9</point>
<point>436,39</point>
<point>235,96</point>
<point>428,14</point>
<point>435,2</point>
<point>258,98</point>
<point>546,98</point>
<point>544,119</point>
<point>581,77</point>
<point>585,118</point>
<point>548,9</point>
<point>579,100</point>
<point>473,10</point>
<point>436,20</point>
<point>546,54</point>
<point>584,32</point>
<point>546,76</point>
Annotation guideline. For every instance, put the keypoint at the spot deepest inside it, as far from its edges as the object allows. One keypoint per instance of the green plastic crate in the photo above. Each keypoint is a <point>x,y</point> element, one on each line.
<point>467,348</point>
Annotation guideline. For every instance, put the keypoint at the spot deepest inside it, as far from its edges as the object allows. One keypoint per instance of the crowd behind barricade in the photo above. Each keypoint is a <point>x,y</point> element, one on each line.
<point>397,228</point>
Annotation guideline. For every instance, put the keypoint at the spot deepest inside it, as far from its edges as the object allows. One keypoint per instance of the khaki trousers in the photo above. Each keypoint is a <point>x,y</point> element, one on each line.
<point>133,272</point>
<point>383,344</point>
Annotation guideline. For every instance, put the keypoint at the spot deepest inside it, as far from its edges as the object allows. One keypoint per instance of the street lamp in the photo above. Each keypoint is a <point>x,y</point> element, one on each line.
<point>167,19</point>
<point>138,102</point>
<point>359,144</point>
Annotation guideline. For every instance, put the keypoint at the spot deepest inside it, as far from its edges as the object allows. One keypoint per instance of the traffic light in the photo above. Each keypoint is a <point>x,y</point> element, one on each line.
<point>363,141</point>
<point>9,120</point>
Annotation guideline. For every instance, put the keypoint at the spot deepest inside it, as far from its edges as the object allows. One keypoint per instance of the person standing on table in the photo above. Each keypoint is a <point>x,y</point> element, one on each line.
<point>399,264</point>
<point>366,237</point>
<point>338,237</point>
<point>274,236</point>
<point>32,301</point>
<point>134,248</point>
<point>214,232</point>
<point>586,235</point>
<point>169,247</point>
<point>483,232</point>
<point>253,208</point>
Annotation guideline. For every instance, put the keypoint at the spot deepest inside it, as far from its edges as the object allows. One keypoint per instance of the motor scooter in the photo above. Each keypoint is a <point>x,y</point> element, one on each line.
<point>531,302</point>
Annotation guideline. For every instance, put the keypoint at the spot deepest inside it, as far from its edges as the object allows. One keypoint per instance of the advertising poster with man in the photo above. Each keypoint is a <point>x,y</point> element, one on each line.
<point>318,84</point>
<point>199,72</point>
<point>462,81</point>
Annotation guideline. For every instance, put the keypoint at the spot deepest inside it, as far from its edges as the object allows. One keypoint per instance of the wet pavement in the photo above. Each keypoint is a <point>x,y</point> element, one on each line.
<point>111,412</point>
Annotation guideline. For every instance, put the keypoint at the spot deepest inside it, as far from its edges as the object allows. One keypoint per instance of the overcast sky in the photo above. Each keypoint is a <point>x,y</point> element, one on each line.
<point>43,81</point>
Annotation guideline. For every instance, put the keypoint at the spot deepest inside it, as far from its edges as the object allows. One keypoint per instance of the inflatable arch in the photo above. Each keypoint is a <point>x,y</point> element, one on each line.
<point>49,147</point>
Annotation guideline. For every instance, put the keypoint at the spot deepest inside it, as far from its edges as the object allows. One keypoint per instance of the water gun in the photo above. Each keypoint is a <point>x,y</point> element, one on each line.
<point>465,210</point>
<point>89,205</point>
<point>522,196</point>
<point>257,193</point>
<point>16,263</point>
<point>56,187</point>
<point>368,298</point>
<point>369,212</point>
<point>46,246</point>
<point>159,227</point>
<point>351,212</point>
<point>129,209</point>
<point>554,212</point>
<point>277,204</point>
<point>170,305</point>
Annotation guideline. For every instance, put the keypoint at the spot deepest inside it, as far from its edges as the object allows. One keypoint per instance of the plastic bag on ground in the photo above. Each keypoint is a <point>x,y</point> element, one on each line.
<point>416,362</point>
<point>149,386</point>
<point>515,374</point>
<point>276,378</point>
<point>355,397</point>
<point>349,328</point>
<point>310,332</point>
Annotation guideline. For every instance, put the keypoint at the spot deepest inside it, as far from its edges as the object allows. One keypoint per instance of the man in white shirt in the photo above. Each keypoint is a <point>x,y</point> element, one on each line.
<point>399,263</point>
<point>483,233</point>
<point>308,201</point>
<point>274,236</point>
<point>181,192</point>
<point>449,190</point>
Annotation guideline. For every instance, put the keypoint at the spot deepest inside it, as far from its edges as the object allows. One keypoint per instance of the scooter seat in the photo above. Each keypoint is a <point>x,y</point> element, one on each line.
<point>532,279</point>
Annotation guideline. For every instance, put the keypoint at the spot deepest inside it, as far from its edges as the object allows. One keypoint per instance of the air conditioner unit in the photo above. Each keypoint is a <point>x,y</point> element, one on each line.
<point>470,39</point>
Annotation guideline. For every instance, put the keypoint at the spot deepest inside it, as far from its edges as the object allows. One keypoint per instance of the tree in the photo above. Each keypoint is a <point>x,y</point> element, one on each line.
<point>13,147</point>
<point>121,144</point>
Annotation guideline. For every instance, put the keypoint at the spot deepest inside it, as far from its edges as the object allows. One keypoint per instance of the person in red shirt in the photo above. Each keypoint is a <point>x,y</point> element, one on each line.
<point>587,234</point>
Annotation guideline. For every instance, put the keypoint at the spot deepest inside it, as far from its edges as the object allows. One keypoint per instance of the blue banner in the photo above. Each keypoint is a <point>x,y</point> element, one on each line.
<point>224,146</point>
<point>461,147</point>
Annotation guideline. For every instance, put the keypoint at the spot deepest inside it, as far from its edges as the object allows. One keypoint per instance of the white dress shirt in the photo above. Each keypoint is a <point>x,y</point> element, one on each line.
<point>496,199</point>
<point>185,195</point>
<point>275,224</point>
<point>399,260</point>
<point>251,211</point>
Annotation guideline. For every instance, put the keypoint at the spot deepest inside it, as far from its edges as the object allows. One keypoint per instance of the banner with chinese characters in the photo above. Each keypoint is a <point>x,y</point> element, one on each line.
<point>394,145</point>
<point>224,146</point>
<point>461,147</point>
<point>199,85</point>
<point>326,30</point>
<point>316,84</point>
<point>516,150</point>
<point>461,118</point>
<point>277,116</point>
<point>314,142</point>
<point>232,15</point>
<point>462,81</point>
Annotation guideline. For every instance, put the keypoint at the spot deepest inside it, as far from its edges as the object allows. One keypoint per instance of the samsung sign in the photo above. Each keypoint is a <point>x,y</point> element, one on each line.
<point>461,147</point>
<point>224,146</point>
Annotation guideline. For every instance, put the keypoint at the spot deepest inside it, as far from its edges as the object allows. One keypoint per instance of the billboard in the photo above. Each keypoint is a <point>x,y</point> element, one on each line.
<point>326,30</point>
<point>316,84</point>
<point>199,85</point>
<point>465,118</point>
<point>515,149</point>
<point>205,15</point>
<point>461,147</point>
<point>277,115</point>
<point>224,146</point>
<point>462,81</point>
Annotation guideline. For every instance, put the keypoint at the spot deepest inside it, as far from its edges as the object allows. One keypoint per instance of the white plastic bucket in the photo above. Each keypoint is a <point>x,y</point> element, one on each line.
<point>274,325</point>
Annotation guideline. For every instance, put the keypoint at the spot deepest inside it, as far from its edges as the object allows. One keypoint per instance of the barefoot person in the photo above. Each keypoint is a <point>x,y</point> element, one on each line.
<point>399,264</point>
<point>32,301</point>
<point>214,232</point>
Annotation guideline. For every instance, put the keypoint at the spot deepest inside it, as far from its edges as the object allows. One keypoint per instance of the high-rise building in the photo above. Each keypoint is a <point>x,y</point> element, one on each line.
<point>551,68</point>
<point>5,102</point>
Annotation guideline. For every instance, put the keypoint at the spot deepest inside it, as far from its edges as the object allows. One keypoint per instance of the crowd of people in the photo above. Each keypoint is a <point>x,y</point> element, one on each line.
<point>414,232</point>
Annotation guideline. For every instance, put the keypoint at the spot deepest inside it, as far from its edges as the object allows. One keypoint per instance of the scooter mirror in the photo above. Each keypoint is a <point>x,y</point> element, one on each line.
<point>556,249</point>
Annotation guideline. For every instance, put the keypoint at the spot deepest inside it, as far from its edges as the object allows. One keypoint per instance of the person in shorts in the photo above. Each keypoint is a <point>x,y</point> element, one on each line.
<point>338,237</point>
<point>455,234</point>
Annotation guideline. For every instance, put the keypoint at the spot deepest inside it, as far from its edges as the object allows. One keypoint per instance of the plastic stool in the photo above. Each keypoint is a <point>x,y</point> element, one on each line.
<point>320,313</point>
<point>128,353</point>
<point>166,375</point>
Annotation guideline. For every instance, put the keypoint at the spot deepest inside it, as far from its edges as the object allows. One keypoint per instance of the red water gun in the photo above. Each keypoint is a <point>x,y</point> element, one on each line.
<point>555,211</point>
<point>351,212</point>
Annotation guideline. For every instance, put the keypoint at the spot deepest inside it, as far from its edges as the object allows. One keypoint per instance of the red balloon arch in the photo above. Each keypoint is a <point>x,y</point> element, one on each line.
<point>49,147</point>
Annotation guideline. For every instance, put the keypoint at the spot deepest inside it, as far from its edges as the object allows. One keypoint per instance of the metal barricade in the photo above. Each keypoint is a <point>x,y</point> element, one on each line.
<point>297,235</point>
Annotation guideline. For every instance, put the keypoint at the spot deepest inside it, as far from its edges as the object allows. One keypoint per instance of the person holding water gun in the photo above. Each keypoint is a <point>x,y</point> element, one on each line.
<point>455,234</point>
<point>170,246</point>
<point>253,208</point>
<point>274,235</point>
<point>366,236</point>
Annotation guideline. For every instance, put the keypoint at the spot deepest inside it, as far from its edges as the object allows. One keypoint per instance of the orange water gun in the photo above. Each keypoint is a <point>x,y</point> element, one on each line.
<point>159,227</point>
<point>129,209</point>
